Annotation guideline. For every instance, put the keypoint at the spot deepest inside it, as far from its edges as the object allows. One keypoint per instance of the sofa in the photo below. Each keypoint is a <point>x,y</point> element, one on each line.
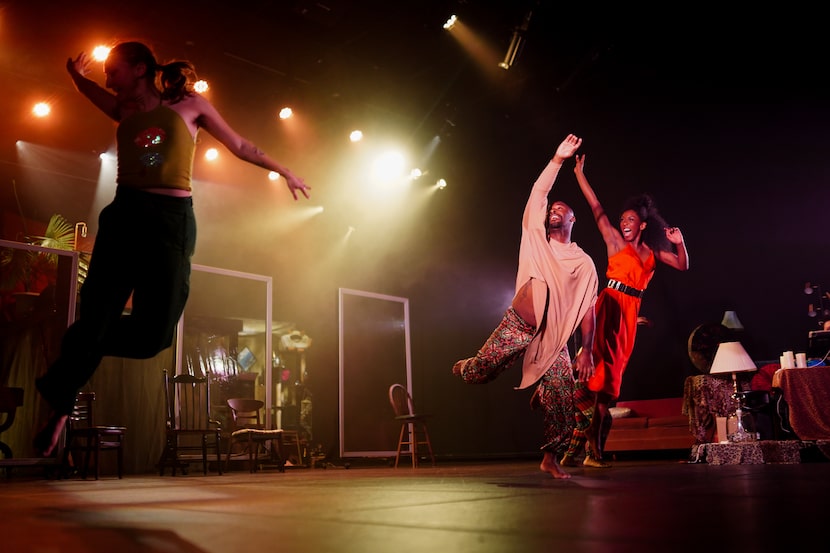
<point>649,424</point>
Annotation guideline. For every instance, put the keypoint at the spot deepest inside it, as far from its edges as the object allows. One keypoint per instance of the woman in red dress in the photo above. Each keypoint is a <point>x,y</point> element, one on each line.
<point>642,239</point>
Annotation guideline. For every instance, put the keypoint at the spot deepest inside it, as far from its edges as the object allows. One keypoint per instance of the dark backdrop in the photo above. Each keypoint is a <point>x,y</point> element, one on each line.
<point>724,121</point>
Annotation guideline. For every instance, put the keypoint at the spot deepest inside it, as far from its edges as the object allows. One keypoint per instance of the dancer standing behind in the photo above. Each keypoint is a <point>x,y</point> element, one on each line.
<point>556,288</point>
<point>159,116</point>
<point>642,237</point>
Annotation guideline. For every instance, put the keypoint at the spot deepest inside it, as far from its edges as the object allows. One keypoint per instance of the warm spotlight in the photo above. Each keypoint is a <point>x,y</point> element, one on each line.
<point>41,109</point>
<point>388,167</point>
<point>415,173</point>
<point>100,53</point>
<point>356,136</point>
<point>273,175</point>
<point>441,184</point>
<point>286,113</point>
<point>450,23</point>
<point>211,154</point>
<point>201,86</point>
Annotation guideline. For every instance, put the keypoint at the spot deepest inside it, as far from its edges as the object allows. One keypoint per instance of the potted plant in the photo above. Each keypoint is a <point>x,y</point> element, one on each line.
<point>25,274</point>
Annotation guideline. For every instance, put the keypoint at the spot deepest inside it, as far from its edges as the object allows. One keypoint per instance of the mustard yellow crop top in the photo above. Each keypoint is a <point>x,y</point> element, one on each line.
<point>155,150</point>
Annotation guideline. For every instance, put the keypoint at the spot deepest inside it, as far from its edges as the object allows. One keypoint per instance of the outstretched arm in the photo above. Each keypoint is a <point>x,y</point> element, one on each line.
<point>679,260</point>
<point>610,234</point>
<point>210,119</point>
<point>100,97</point>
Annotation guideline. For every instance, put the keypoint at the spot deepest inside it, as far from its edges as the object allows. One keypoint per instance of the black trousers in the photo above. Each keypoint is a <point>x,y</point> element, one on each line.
<point>143,249</point>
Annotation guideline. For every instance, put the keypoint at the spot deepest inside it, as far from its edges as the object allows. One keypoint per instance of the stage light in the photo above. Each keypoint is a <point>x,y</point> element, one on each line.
<point>388,167</point>
<point>441,184</point>
<point>450,23</point>
<point>273,175</point>
<point>211,154</point>
<point>100,53</point>
<point>286,113</point>
<point>201,86</point>
<point>516,43</point>
<point>41,109</point>
<point>356,136</point>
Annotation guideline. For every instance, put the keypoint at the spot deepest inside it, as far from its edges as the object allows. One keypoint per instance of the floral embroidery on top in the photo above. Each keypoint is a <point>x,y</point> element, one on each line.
<point>152,159</point>
<point>152,136</point>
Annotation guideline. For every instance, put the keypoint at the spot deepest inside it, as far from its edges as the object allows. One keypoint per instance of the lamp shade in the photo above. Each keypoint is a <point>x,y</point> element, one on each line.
<point>731,321</point>
<point>731,357</point>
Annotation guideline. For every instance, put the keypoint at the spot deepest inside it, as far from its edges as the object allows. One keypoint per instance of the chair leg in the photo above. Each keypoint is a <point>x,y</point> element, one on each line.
<point>428,443</point>
<point>219,453</point>
<point>413,444</point>
<point>87,455</point>
<point>204,454</point>
<point>97,450</point>
<point>400,444</point>
<point>120,454</point>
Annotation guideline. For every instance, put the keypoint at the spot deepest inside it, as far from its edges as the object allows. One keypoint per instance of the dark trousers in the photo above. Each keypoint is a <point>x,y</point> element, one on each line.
<point>143,248</point>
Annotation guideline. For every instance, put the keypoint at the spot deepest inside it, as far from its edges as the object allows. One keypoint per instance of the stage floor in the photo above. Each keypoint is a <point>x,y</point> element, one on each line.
<point>484,506</point>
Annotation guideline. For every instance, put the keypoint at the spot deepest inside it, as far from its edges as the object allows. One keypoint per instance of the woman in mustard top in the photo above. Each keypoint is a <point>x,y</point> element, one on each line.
<point>147,234</point>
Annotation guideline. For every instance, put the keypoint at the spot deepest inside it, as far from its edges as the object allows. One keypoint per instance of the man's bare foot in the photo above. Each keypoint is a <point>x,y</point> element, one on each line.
<point>567,460</point>
<point>550,466</point>
<point>47,439</point>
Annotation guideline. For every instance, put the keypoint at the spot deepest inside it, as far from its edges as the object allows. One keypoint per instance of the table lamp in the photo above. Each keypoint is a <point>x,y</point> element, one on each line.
<point>731,357</point>
<point>731,321</point>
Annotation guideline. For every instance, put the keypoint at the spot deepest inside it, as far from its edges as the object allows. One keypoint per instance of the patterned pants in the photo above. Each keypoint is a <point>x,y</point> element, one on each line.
<point>584,410</point>
<point>555,396</point>
<point>499,352</point>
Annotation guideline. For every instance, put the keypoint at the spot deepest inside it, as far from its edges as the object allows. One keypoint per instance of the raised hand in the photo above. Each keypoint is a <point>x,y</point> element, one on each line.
<point>79,65</point>
<point>579,167</point>
<point>568,147</point>
<point>674,235</point>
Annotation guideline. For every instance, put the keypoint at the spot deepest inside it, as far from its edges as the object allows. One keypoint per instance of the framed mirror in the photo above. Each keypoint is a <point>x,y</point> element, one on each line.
<point>374,354</point>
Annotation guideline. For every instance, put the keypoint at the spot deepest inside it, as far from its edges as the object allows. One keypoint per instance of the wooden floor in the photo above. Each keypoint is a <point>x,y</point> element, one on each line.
<point>637,505</point>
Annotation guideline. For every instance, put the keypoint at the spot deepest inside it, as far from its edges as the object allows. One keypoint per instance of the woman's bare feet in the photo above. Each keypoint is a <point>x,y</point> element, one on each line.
<point>47,439</point>
<point>567,460</point>
<point>550,465</point>
<point>591,461</point>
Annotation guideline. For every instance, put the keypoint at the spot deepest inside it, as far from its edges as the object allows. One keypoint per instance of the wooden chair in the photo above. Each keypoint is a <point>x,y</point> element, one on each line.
<point>252,434</point>
<point>190,431</point>
<point>10,400</point>
<point>85,439</point>
<point>413,426</point>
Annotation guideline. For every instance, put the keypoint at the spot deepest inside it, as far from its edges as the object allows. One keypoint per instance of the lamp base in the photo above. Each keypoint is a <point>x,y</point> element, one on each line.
<point>735,431</point>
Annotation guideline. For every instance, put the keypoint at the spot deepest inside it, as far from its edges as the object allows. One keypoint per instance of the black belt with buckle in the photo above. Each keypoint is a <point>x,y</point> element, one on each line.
<point>625,289</point>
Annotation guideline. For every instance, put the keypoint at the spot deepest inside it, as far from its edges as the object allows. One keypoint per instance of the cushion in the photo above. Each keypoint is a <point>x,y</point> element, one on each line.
<point>619,412</point>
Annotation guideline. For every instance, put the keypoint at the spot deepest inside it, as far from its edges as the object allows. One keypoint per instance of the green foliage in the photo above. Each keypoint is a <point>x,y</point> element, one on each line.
<point>18,266</point>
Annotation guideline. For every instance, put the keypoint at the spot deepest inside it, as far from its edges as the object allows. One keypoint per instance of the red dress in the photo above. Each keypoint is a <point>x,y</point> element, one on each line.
<point>617,320</point>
